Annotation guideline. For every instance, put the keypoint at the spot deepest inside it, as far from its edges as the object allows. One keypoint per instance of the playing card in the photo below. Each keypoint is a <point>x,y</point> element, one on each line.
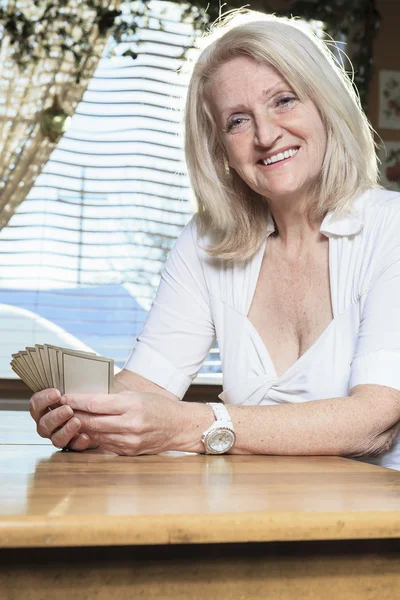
<point>56,364</point>
<point>18,366</point>
<point>67,370</point>
<point>45,364</point>
<point>39,373</point>
<point>86,373</point>
<point>52,358</point>
<point>30,368</point>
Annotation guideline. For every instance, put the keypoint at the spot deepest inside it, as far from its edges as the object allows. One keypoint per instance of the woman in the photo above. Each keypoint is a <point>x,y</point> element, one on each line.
<point>292,261</point>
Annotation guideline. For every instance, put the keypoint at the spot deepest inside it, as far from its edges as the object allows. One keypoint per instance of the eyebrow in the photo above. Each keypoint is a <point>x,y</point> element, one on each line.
<point>267,93</point>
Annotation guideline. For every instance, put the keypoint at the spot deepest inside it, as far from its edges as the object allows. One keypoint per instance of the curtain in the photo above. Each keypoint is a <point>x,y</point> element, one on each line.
<point>48,54</point>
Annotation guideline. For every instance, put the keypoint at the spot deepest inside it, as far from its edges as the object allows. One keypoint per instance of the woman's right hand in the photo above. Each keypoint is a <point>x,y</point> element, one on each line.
<point>58,423</point>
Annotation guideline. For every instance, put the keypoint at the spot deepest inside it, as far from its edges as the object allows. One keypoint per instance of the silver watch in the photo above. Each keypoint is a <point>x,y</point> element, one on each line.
<point>220,436</point>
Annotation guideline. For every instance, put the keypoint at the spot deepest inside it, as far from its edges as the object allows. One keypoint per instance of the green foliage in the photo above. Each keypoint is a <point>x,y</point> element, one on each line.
<point>32,36</point>
<point>357,20</point>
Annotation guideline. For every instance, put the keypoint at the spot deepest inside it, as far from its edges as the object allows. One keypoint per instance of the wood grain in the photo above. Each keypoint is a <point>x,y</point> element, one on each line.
<point>54,498</point>
<point>98,525</point>
<point>276,571</point>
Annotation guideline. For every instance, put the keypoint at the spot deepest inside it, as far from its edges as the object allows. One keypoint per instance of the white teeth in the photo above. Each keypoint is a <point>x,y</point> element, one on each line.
<point>280,156</point>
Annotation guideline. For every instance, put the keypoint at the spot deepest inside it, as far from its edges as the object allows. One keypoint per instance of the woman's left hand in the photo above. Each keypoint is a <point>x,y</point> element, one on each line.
<point>131,423</point>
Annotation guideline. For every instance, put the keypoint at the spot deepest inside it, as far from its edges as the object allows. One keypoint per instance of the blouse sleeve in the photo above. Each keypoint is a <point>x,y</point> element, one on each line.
<point>179,329</point>
<point>377,355</point>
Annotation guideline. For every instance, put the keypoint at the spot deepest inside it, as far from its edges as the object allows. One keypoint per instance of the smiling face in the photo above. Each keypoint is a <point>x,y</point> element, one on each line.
<point>275,142</point>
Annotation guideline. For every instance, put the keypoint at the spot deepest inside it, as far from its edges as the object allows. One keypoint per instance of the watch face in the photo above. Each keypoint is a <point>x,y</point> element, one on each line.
<point>220,440</point>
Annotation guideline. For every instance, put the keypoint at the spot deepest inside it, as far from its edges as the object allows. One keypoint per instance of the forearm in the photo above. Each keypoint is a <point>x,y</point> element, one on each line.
<point>122,382</point>
<point>126,381</point>
<point>350,426</point>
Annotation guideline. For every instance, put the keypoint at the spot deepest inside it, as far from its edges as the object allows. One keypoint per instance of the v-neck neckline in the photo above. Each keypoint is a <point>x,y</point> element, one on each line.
<point>309,350</point>
<point>301,358</point>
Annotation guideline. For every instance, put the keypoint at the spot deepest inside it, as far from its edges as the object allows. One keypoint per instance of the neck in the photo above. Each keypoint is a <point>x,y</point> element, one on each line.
<point>296,232</point>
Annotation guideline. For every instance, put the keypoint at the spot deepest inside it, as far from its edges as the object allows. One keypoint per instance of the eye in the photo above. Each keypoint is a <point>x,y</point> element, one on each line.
<point>285,101</point>
<point>236,122</point>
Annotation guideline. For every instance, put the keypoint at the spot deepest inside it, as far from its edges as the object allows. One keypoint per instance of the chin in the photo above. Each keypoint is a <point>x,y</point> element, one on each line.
<point>281,194</point>
<point>284,191</point>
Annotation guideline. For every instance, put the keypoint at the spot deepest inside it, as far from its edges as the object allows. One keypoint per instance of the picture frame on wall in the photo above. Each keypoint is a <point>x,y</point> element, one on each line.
<point>389,99</point>
<point>389,155</point>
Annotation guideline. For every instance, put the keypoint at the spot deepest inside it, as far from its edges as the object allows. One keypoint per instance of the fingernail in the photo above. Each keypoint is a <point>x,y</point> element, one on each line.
<point>68,410</point>
<point>76,421</point>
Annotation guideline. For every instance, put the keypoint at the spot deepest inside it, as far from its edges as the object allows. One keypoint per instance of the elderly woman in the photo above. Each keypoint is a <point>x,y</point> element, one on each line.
<point>292,261</point>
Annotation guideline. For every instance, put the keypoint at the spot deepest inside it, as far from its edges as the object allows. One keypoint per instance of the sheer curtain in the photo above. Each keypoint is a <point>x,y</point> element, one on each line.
<point>39,74</point>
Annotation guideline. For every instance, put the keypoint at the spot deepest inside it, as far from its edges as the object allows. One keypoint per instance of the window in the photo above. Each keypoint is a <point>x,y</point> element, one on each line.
<point>80,260</point>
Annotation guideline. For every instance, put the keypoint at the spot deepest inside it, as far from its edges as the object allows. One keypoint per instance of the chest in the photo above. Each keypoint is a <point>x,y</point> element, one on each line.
<point>291,306</point>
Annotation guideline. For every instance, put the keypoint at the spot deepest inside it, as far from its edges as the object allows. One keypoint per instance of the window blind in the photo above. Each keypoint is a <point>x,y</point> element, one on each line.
<point>80,260</point>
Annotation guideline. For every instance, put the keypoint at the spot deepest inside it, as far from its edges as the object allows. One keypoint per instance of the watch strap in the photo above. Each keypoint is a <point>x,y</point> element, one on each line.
<point>220,412</point>
<point>222,423</point>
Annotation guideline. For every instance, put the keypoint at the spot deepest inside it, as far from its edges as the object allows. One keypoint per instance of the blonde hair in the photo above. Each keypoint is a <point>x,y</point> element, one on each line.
<point>226,206</point>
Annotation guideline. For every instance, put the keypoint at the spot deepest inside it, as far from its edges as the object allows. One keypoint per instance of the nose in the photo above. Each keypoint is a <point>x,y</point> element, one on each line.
<point>267,131</point>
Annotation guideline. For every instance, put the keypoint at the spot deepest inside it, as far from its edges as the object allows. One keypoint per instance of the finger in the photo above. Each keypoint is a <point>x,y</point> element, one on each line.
<point>40,401</point>
<point>81,442</point>
<point>53,420</point>
<point>114,443</point>
<point>110,404</point>
<point>63,436</point>
<point>91,423</point>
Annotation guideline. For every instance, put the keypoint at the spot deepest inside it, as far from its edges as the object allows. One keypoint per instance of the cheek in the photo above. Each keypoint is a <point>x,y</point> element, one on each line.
<point>235,165</point>
<point>237,156</point>
<point>232,158</point>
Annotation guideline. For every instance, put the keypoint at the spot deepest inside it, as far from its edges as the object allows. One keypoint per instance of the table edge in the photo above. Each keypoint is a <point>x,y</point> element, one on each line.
<point>97,530</point>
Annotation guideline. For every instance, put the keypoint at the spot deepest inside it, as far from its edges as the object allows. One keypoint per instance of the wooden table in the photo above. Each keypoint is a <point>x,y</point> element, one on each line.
<point>96,525</point>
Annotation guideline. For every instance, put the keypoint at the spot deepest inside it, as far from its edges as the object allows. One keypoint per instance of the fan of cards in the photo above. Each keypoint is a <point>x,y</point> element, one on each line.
<point>45,366</point>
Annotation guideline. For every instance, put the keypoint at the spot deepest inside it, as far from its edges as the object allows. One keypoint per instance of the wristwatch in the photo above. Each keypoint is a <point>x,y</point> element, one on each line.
<point>220,436</point>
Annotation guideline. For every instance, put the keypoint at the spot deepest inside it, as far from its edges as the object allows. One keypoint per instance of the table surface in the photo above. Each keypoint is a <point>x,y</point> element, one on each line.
<point>54,498</point>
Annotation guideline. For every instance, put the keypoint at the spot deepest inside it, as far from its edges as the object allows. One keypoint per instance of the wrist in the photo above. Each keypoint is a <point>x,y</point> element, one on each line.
<point>220,436</point>
<point>196,418</point>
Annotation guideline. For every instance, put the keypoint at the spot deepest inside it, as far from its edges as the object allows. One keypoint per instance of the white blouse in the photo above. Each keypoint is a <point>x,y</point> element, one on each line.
<point>202,298</point>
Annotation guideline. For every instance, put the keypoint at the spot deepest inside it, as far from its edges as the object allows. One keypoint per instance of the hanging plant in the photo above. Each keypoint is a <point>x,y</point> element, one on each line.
<point>54,121</point>
<point>27,29</point>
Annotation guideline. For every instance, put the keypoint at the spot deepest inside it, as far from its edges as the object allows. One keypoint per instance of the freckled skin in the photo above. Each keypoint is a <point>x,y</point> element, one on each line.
<point>253,123</point>
<point>259,114</point>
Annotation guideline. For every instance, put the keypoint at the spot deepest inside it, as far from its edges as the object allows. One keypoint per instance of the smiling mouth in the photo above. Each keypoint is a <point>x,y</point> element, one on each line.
<point>279,157</point>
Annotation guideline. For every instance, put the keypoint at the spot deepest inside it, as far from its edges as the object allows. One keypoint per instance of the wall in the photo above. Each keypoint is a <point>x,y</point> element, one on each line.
<point>387,57</point>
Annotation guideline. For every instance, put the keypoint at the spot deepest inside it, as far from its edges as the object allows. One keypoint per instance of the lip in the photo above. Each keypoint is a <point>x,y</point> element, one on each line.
<point>280,164</point>
<point>278,151</point>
